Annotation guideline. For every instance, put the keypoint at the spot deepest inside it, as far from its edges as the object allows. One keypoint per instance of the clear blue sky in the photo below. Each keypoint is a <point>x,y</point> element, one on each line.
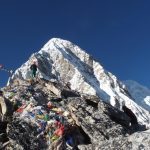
<point>115,32</point>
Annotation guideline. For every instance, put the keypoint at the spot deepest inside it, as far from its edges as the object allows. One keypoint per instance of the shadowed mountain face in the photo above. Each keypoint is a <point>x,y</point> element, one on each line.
<point>140,93</point>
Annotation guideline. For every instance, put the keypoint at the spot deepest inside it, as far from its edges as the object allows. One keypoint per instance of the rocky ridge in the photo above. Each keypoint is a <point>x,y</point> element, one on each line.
<point>89,122</point>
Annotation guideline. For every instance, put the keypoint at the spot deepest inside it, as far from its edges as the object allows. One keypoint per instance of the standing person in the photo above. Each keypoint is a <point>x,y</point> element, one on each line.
<point>33,68</point>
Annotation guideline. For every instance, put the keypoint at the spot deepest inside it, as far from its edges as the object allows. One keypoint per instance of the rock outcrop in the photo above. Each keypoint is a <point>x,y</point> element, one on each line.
<point>88,122</point>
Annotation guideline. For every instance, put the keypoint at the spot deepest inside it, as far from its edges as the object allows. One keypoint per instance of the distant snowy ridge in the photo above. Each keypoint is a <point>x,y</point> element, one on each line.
<point>63,61</point>
<point>141,94</point>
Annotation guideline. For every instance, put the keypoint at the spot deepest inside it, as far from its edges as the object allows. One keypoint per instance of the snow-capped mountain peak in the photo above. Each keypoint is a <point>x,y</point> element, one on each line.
<point>63,61</point>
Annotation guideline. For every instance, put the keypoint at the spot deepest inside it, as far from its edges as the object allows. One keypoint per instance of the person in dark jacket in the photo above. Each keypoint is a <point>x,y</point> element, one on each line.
<point>131,115</point>
<point>34,69</point>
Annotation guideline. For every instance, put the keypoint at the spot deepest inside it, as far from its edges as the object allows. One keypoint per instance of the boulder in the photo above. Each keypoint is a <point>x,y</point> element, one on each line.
<point>3,107</point>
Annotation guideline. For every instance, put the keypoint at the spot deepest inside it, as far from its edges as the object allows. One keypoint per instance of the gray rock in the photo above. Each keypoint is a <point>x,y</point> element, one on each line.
<point>99,126</point>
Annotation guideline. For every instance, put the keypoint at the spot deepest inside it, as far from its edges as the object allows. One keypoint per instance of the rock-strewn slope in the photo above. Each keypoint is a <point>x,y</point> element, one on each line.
<point>48,115</point>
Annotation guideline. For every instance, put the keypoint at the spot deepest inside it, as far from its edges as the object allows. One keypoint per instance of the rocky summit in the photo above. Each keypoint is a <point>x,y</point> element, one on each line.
<point>72,103</point>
